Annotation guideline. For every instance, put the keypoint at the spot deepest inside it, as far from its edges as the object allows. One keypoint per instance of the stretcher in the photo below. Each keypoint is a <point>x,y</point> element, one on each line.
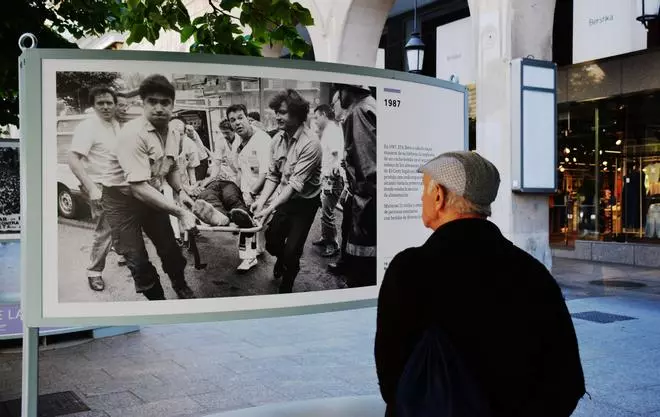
<point>231,228</point>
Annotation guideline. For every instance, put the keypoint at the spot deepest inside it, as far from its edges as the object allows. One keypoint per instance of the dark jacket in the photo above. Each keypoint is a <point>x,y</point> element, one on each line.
<point>360,145</point>
<point>502,310</point>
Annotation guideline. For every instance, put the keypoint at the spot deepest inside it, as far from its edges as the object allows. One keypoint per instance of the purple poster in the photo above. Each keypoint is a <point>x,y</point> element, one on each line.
<point>11,322</point>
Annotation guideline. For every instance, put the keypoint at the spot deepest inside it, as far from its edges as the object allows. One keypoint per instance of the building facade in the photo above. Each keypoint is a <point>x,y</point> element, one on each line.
<point>607,205</point>
<point>608,128</point>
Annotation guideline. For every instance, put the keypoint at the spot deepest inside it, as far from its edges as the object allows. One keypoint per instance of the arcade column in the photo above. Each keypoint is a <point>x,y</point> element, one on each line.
<point>505,30</point>
<point>347,31</point>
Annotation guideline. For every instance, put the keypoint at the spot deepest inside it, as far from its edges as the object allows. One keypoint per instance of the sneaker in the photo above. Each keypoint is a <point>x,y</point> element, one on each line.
<point>330,251</point>
<point>96,283</point>
<point>184,292</point>
<point>209,214</point>
<point>247,264</point>
<point>241,218</point>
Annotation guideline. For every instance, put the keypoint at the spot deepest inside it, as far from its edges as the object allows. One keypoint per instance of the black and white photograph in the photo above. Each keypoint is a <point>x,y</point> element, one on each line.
<point>10,189</point>
<point>188,186</point>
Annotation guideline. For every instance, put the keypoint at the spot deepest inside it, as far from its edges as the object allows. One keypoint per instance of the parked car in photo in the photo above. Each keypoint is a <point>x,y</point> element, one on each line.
<point>71,201</point>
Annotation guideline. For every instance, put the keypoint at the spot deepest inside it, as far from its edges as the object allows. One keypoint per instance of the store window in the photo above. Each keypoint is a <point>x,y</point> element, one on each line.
<point>608,171</point>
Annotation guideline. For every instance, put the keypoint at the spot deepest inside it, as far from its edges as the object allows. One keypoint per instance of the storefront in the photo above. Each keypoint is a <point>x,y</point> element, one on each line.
<point>607,206</point>
<point>608,129</point>
<point>609,165</point>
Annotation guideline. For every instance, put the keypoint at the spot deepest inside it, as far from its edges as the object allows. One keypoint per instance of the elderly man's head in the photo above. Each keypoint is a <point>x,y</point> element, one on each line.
<point>457,185</point>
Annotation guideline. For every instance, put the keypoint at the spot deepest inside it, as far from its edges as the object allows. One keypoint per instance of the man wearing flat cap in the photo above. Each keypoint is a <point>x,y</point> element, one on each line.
<point>499,308</point>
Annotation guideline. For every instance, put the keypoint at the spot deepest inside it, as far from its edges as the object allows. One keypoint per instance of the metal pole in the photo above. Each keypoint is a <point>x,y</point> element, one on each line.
<point>30,386</point>
<point>597,171</point>
<point>415,17</point>
<point>30,376</point>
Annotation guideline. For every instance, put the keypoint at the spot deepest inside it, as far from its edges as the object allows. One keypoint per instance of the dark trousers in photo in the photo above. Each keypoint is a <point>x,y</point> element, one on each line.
<point>346,222</point>
<point>224,196</point>
<point>129,217</point>
<point>202,169</point>
<point>359,271</point>
<point>287,234</point>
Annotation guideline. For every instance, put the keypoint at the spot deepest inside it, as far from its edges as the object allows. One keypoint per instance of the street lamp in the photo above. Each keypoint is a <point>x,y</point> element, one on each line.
<point>415,53</point>
<point>648,10</point>
<point>415,47</point>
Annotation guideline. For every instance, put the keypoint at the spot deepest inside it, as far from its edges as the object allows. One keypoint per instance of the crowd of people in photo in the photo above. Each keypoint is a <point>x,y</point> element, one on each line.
<point>10,189</point>
<point>154,175</point>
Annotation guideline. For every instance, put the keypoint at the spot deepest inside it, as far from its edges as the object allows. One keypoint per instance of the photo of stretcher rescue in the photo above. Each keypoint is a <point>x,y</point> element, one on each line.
<point>184,186</point>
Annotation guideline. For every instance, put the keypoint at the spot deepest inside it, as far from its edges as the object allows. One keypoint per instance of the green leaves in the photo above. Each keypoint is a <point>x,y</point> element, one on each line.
<point>229,5</point>
<point>132,4</point>
<point>219,31</point>
<point>187,32</point>
<point>138,32</point>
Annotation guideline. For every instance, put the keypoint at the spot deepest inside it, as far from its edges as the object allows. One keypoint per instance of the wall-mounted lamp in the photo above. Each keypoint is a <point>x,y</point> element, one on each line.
<point>415,47</point>
<point>648,10</point>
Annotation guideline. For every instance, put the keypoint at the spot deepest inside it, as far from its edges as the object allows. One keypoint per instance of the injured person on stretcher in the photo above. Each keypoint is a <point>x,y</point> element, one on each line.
<point>220,205</point>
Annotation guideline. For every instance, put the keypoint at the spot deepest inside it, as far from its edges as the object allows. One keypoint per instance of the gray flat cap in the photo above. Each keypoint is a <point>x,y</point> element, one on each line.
<point>466,174</point>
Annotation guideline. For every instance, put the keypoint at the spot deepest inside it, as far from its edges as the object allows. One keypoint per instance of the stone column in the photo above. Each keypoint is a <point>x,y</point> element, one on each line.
<point>508,29</point>
<point>347,31</point>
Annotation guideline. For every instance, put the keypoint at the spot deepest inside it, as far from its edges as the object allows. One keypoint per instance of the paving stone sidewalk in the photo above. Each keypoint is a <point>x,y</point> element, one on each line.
<point>201,369</point>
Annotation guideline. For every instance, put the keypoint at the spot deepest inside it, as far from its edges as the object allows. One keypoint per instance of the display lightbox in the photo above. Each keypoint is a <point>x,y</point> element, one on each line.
<point>533,126</point>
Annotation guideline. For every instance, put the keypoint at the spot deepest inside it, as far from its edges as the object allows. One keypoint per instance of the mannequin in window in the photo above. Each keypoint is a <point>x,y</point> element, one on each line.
<point>652,182</point>
<point>587,193</point>
<point>634,198</point>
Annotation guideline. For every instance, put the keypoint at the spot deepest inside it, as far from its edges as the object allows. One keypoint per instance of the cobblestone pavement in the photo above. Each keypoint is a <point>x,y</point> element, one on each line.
<point>200,369</point>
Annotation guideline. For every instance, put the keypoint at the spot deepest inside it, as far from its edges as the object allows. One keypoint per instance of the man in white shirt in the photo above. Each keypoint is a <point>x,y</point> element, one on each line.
<point>332,176</point>
<point>203,153</point>
<point>188,162</point>
<point>223,160</point>
<point>252,153</point>
<point>146,151</point>
<point>121,111</point>
<point>93,161</point>
<point>219,198</point>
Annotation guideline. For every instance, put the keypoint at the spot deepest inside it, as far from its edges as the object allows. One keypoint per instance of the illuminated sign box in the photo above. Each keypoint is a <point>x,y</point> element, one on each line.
<point>533,126</point>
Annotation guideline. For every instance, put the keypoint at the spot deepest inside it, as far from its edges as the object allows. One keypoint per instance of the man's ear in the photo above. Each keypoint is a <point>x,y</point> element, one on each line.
<point>440,197</point>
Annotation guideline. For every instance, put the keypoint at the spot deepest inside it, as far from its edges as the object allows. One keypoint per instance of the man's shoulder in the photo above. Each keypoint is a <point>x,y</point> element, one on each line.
<point>406,259</point>
<point>131,132</point>
<point>261,137</point>
<point>134,126</point>
<point>310,139</point>
<point>335,130</point>
<point>189,144</point>
<point>87,124</point>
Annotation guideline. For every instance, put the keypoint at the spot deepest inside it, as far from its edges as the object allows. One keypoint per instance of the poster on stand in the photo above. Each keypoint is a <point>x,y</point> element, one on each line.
<point>10,312</point>
<point>181,187</point>
<point>10,190</point>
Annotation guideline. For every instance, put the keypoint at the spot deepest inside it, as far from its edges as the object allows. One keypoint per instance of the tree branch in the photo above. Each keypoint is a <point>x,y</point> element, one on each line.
<point>215,9</point>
